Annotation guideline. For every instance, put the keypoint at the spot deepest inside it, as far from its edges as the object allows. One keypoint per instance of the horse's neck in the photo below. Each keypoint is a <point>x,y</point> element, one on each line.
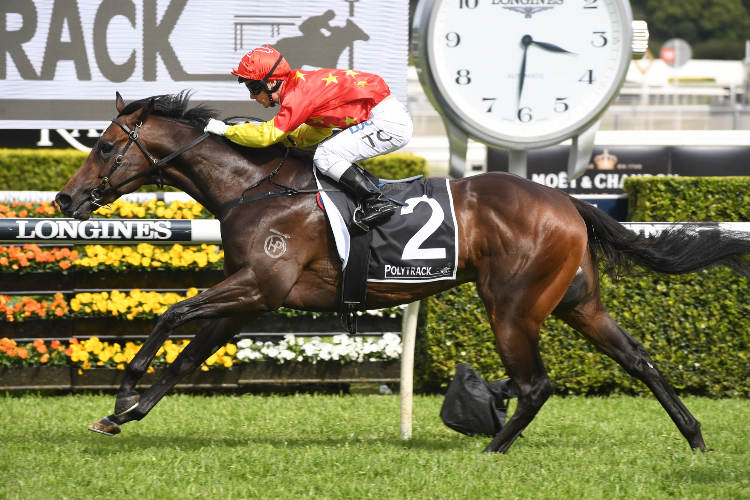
<point>214,173</point>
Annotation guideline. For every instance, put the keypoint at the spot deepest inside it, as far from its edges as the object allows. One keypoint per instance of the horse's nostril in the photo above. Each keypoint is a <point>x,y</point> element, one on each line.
<point>63,200</point>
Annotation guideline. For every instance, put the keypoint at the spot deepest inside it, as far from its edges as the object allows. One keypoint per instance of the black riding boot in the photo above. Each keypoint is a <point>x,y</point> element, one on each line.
<point>376,207</point>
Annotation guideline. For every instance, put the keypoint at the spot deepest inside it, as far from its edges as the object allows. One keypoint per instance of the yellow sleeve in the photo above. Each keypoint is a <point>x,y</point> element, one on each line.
<point>255,136</point>
<point>307,135</point>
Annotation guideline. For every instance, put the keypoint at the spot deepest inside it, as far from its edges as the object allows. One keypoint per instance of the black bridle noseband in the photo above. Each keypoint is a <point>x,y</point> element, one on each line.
<point>99,192</point>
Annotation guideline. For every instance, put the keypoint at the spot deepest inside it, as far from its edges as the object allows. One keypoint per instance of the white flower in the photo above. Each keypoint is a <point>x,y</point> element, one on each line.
<point>244,344</point>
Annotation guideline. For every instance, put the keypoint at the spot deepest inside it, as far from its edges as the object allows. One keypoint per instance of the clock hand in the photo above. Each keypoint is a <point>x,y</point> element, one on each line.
<point>526,41</point>
<point>550,47</point>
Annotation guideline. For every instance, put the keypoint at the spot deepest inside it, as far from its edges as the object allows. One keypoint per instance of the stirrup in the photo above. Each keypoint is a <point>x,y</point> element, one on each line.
<point>364,227</point>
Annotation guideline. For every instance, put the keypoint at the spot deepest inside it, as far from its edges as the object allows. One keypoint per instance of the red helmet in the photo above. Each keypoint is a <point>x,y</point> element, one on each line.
<point>264,63</point>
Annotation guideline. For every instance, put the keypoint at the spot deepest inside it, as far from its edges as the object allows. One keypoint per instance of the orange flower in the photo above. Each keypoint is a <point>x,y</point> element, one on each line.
<point>65,252</point>
<point>59,311</point>
<point>11,353</point>
<point>23,353</point>
<point>3,261</point>
<point>73,341</point>
<point>23,213</point>
<point>54,344</point>
<point>44,359</point>
<point>42,349</point>
<point>63,265</point>
<point>69,351</point>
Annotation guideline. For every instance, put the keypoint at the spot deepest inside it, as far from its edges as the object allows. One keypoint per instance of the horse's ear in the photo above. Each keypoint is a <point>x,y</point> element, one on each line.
<point>119,103</point>
<point>145,111</point>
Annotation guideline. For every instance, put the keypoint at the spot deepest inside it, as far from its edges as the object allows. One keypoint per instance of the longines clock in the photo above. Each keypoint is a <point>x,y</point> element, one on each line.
<point>522,74</point>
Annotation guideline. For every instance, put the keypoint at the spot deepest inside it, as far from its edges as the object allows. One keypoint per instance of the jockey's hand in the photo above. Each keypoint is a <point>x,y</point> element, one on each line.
<point>216,127</point>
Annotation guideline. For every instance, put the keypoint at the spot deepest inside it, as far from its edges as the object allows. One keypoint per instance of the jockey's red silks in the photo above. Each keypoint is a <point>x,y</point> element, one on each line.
<point>312,104</point>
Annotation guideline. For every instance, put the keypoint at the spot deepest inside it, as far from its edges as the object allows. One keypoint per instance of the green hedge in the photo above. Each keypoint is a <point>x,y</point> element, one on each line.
<point>696,327</point>
<point>396,166</point>
<point>659,199</point>
<point>50,169</point>
<point>38,169</point>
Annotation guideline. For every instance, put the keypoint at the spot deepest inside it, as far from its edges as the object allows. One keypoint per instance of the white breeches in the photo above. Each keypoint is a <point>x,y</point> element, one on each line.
<point>388,129</point>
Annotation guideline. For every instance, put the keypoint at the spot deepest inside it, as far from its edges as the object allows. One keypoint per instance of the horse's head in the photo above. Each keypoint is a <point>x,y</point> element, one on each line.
<point>108,164</point>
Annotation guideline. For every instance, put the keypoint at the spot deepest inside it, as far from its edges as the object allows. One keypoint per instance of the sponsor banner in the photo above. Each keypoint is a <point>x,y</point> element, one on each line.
<point>109,231</point>
<point>611,165</point>
<point>63,60</point>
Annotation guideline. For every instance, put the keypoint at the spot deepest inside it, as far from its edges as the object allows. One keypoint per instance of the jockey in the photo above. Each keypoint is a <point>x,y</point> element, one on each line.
<point>313,103</point>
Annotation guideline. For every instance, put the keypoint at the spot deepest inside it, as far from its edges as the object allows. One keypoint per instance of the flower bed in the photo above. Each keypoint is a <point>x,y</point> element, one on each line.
<point>93,258</point>
<point>147,257</point>
<point>93,353</point>
<point>31,257</point>
<point>118,209</point>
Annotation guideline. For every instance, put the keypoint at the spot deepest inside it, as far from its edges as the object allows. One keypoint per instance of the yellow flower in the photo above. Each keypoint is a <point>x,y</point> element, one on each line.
<point>211,360</point>
<point>75,304</point>
<point>192,292</point>
<point>227,361</point>
<point>231,349</point>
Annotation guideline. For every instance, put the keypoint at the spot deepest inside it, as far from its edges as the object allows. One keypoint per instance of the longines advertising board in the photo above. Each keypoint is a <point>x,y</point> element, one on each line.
<point>61,61</point>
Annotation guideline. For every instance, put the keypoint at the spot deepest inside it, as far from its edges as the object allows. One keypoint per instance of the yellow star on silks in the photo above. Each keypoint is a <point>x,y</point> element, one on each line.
<point>299,75</point>
<point>362,83</point>
<point>350,121</point>
<point>331,125</point>
<point>350,72</point>
<point>330,79</point>
<point>318,120</point>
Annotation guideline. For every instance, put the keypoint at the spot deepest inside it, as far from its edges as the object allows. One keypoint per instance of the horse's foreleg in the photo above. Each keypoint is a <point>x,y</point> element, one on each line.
<point>214,334</point>
<point>228,298</point>
<point>591,319</point>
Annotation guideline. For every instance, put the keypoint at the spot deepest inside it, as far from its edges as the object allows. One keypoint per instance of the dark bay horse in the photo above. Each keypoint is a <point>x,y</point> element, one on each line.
<point>532,251</point>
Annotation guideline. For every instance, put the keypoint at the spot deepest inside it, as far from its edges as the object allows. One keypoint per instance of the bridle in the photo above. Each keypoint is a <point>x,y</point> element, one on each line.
<point>99,192</point>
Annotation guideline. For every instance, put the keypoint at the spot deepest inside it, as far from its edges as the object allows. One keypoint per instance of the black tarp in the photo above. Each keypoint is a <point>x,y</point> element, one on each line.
<point>474,406</point>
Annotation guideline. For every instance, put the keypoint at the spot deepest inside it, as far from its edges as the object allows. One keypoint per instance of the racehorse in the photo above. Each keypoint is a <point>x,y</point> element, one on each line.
<point>532,251</point>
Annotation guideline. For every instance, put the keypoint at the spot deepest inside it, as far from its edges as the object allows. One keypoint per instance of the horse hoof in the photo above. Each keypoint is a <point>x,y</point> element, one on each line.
<point>105,426</point>
<point>125,404</point>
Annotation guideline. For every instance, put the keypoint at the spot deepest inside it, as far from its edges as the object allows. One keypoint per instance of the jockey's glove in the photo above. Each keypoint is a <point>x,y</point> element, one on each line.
<point>216,127</point>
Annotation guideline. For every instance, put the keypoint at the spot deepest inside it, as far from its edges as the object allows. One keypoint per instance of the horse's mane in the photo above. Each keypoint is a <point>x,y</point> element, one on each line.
<point>175,107</point>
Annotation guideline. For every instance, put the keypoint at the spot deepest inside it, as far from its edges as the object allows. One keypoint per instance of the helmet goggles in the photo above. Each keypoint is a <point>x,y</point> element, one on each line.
<point>257,86</point>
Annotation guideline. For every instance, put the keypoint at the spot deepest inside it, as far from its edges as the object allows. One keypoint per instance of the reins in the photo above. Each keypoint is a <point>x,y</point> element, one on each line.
<point>101,191</point>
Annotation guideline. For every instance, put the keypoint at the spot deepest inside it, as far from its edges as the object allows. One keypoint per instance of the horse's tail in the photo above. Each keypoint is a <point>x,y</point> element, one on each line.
<point>676,250</point>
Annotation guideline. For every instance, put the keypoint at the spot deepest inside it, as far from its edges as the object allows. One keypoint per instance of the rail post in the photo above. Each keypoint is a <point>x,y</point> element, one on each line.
<point>409,335</point>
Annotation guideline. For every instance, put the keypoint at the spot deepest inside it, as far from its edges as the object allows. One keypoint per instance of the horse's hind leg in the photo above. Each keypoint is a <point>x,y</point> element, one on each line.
<point>588,316</point>
<point>517,338</point>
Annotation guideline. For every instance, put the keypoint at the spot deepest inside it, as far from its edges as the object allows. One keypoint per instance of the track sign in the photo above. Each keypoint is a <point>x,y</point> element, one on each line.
<point>676,52</point>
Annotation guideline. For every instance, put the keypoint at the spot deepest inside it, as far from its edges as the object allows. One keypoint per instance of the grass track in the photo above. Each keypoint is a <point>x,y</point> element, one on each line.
<point>347,447</point>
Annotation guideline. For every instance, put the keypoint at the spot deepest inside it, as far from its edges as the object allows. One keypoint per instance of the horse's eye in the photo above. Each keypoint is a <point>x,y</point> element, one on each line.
<point>105,147</point>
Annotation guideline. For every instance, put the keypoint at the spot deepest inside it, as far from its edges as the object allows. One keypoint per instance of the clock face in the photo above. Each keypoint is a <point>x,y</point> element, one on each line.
<point>528,70</point>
